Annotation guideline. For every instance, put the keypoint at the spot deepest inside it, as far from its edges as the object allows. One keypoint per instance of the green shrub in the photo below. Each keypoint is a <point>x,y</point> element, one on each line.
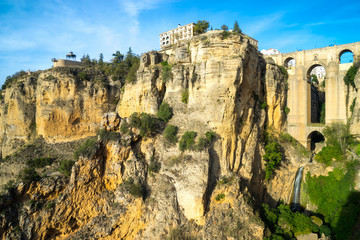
<point>131,77</point>
<point>220,196</point>
<point>263,105</point>
<point>144,122</point>
<point>225,34</point>
<point>86,149</point>
<point>108,135</point>
<point>83,76</point>
<point>185,96</point>
<point>124,127</point>
<point>154,166</point>
<point>12,79</point>
<point>285,224</point>
<point>338,134</point>
<point>210,136</point>
<point>65,167</point>
<point>187,141</point>
<point>170,134</point>
<point>350,75</point>
<point>286,110</point>
<point>39,162</point>
<point>135,189</point>
<point>166,71</point>
<point>335,198</point>
<point>284,72</point>
<point>328,153</point>
<point>272,157</point>
<point>29,175</point>
<point>205,142</point>
<point>352,107</point>
<point>165,112</point>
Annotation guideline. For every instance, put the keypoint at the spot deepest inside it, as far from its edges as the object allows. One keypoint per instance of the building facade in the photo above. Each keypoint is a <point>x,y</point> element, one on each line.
<point>175,35</point>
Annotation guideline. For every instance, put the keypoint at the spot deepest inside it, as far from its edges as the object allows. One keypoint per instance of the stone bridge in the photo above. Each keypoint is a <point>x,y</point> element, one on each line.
<point>300,64</point>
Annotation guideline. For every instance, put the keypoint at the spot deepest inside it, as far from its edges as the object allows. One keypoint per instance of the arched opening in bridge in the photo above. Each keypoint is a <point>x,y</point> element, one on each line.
<point>316,76</point>
<point>315,141</point>
<point>346,56</point>
<point>289,62</point>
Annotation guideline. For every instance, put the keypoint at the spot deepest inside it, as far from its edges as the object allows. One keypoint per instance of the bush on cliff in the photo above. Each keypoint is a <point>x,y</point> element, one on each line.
<point>350,74</point>
<point>135,189</point>
<point>39,162</point>
<point>187,141</point>
<point>165,112</point>
<point>272,157</point>
<point>170,134</point>
<point>29,175</point>
<point>336,199</point>
<point>166,71</point>
<point>286,224</point>
<point>13,78</point>
<point>86,149</point>
<point>144,122</point>
<point>65,167</point>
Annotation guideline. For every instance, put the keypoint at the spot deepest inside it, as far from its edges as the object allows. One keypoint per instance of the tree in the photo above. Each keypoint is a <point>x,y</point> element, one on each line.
<point>86,59</point>
<point>129,57</point>
<point>236,28</point>
<point>118,57</point>
<point>101,59</point>
<point>201,27</point>
<point>224,27</point>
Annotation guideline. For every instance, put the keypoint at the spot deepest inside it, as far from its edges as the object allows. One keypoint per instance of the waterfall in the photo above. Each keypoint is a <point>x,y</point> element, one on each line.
<point>297,185</point>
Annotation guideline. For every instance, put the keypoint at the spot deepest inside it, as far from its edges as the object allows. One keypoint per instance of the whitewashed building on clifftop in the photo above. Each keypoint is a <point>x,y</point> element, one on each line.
<point>178,34</point>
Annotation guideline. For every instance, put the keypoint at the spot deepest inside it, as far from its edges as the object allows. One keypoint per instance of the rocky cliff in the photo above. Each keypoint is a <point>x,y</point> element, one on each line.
<point>56,104</point>
<point>212,83</point>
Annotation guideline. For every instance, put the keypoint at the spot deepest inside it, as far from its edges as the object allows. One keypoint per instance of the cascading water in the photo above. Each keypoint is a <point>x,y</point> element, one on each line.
<point>297,185</point>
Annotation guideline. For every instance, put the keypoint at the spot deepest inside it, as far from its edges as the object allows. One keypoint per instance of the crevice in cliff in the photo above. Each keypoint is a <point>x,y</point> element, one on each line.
<point>213,175</point>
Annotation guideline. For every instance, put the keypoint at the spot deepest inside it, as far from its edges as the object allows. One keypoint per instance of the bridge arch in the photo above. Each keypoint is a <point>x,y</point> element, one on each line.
<point>289,62</point>
<point>315,138</point>
<point>346,56</point>
<point>315,76</point>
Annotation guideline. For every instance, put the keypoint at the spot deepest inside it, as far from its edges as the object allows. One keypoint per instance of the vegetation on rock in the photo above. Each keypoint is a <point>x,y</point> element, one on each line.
<point>144,122</point>
<point>236,28</point>
<point>201,27</point>
<point>86,149</point>
<point>166,71</point>
<point>272,157</point>
<point>165,112</point>
<point>170,134</point>
<point>65,167</point>
<point>29,175</point>
<point>187,141</point>
<point>286,224</point>
<point>350,74</point>
<point>185,96</point>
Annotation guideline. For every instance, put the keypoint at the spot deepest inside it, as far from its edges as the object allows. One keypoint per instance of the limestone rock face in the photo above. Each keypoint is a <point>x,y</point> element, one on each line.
<point>276,85</point>
<point>214,84</point>
<point>225,81</point>
<point>54,104</point>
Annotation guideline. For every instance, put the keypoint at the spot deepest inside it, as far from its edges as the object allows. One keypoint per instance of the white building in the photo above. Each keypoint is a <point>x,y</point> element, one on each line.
<point>270,51</point>
<point>178,34</point>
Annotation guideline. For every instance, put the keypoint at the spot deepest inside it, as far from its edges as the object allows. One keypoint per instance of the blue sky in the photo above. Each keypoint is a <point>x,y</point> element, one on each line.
<point>33,32</point>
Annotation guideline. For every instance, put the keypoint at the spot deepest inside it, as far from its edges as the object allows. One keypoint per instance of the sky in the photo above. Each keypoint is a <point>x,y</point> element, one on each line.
<point>32,32</point>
